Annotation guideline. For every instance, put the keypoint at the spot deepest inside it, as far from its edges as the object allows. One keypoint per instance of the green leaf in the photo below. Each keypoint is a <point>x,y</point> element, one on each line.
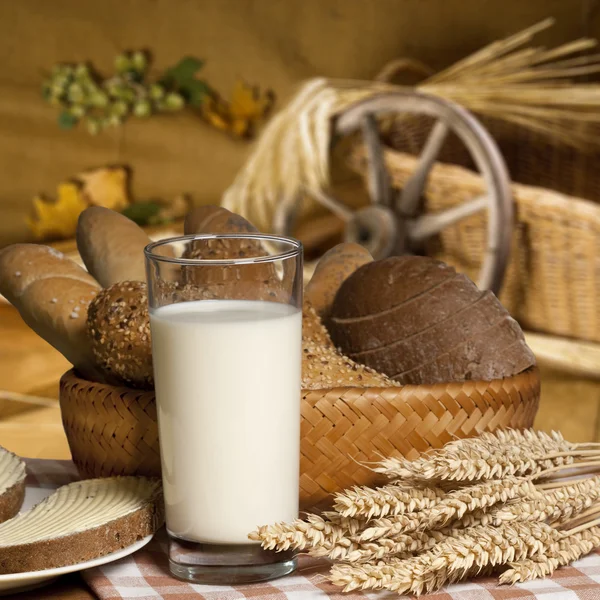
<point>184,71</point>
<point>195,92</point>
<point>142,213</point>
<point>67,120</point>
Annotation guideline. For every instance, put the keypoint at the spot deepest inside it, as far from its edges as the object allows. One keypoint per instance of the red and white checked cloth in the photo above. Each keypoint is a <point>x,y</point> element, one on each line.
<point>145,575</point>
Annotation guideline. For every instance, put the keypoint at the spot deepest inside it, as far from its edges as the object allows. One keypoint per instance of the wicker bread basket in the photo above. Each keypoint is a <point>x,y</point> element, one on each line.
<point>113,431</point>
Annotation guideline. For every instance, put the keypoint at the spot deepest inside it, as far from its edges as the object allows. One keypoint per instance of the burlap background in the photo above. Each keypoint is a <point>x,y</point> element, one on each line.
<point>276,43</point>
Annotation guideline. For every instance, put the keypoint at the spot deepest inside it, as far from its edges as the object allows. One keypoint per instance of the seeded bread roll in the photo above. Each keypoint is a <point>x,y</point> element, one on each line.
<point>418,321</point>
<point>313,329</point>
<point>118,327</point>
<point>111,246</point>
<point>333,268</point>
<point>52,295</point>
<point>323,367</point>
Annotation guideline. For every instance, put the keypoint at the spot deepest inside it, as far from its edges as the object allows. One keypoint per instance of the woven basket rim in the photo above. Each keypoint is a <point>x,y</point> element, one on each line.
<point>71,375</point>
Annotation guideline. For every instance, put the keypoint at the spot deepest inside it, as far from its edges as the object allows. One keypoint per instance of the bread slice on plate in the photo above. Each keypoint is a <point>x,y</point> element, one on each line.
<point>12,484</point>
<point>81,521</point>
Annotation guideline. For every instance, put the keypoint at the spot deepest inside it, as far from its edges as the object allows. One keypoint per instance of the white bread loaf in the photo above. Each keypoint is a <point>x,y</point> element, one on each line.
<point>111,246</point>
<point>12,484</point>
<point>52,295</point>
<point>81,521</point>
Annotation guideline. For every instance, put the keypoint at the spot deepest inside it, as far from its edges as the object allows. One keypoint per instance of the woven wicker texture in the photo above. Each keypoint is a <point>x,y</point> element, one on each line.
<point>552,283</point>
<point>113,430</point>
<point>532,158</point>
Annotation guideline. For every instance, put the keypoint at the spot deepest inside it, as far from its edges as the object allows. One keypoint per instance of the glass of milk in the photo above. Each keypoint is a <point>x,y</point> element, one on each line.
<point>226,324</point>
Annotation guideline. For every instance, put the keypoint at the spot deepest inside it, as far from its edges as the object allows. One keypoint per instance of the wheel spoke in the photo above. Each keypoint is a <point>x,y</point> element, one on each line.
<point>339,209</point>
<point>410,197</point>
<point>428,225</point>
<point>380,189</point>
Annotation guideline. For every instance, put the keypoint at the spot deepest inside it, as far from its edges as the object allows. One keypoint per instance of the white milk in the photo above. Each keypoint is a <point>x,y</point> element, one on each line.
<point>227,376</point>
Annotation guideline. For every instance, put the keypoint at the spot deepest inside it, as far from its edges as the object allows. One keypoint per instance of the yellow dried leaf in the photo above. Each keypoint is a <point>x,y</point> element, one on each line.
<point>58,219</point>
<point>247,108</point>
<point>106,187</point>
<point>247,102</point>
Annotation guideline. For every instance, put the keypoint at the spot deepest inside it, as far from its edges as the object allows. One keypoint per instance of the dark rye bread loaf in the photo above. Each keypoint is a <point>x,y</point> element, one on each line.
<point>418,321</point>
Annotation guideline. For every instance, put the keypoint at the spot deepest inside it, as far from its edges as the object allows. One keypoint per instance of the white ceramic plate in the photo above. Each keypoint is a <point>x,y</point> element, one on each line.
<point>20,582</point>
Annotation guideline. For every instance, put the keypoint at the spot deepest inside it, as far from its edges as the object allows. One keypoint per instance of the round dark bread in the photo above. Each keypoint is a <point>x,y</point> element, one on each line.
<point>403,321</point>
<point>333,268</point>
<point>439,338</point>
<point>418,321</point>
<point>495,353</point>
<point>384,284</point>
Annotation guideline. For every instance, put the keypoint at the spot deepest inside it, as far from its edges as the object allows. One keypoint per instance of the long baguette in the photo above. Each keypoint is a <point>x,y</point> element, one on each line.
<point>52,295</point>
<point>111,246</point>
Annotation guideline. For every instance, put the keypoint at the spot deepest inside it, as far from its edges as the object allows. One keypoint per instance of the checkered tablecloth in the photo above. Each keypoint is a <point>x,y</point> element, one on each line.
<point>145,574</point>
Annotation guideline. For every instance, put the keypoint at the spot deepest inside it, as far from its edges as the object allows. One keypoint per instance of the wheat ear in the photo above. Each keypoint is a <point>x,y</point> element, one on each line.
<point>450,560</point>
<point>561,553</point>
<point>315,532</point>
<point>365,502</point>
<point>555,506</point>
<point>454,506</point>
<point>489,456</point>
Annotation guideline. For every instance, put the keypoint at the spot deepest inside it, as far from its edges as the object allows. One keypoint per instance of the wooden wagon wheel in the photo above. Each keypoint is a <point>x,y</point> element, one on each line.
<point>393,223</point>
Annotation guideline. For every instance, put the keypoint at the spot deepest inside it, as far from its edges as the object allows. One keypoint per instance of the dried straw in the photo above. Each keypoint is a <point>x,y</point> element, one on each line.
<point>532,87</point>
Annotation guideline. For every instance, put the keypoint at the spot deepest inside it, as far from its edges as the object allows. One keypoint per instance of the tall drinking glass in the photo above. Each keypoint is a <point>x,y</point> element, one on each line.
<point>226,324</point>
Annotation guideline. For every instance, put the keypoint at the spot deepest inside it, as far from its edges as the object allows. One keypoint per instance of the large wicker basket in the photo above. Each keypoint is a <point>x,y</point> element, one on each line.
<point>113,431</point>
<point>551,284</point>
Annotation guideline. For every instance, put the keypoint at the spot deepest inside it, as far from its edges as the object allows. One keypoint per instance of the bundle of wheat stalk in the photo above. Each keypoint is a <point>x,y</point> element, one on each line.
<point>533,87</point>
<point>517,503</point>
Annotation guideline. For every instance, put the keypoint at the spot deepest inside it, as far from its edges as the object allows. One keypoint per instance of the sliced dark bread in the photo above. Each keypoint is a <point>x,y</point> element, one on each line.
<point>425,346</point>
<point>384,284</point>
<point>399,315</point>
<point>369,332</point>
<point>495,353</point>
<point>81,521</point>
<point>12,484</point>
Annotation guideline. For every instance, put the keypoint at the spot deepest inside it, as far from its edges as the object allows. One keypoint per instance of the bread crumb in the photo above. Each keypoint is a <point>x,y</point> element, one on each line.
<point>73,315</point>
<point>18,274</point>
<point>77,309</point>
<point>54,300</point>
<point>71,301</point>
